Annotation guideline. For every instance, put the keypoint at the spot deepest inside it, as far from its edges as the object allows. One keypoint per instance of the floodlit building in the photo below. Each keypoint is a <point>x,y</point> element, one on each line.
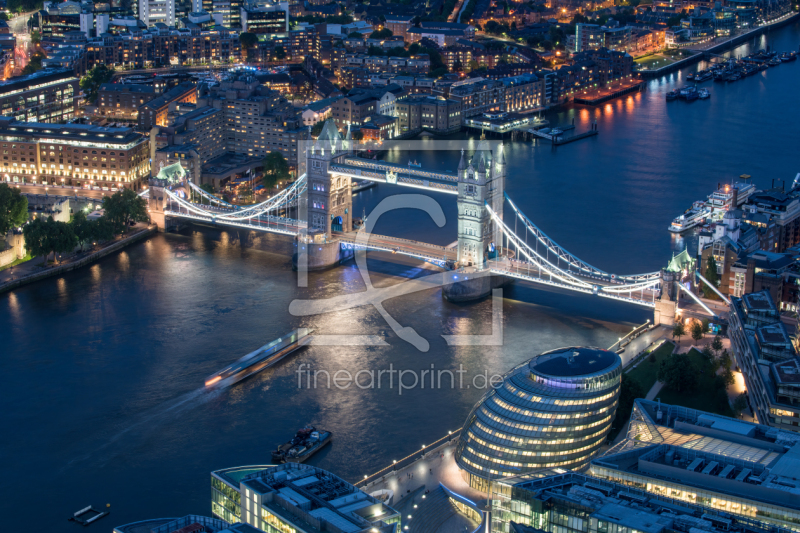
<point>298,498</point>
<point>737,475</point>
<point>553,411</point>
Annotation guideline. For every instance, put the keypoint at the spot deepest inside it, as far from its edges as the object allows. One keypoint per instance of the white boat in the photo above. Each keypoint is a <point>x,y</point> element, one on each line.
<point>703,94</point>
<point>692,217</point>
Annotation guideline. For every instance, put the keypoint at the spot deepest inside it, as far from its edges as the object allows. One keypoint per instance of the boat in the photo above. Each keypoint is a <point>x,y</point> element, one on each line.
<point>672,95</point>
<point>705,76</point>
<point>692,217</point>
<point>556,131</point>
<point>303,445</point>
<point>689,93</point>
<point>788,56</point>
<point>774,62</point>
<point>414,164</point>
<point>703,94</point>
<point>690,77</point>
<point>258,360</point>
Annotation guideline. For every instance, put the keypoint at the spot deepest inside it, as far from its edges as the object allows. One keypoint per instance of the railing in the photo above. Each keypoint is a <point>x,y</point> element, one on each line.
<point>447,440</point>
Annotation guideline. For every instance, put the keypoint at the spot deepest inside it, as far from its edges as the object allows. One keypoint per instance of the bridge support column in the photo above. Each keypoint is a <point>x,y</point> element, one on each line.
<point>310,255</point>
<point>466,288</point>
<point>664,313</point>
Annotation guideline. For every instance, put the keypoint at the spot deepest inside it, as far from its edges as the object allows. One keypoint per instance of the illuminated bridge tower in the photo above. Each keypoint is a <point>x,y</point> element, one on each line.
<point>328,203</point>
<point>480,184</point>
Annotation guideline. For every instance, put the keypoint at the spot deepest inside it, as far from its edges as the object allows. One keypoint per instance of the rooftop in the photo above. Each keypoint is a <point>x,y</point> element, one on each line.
<point>758,301</point>
<point>573,361</point>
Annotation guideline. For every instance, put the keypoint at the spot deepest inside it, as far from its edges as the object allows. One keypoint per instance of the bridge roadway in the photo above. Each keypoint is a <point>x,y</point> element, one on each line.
<point>383,243</point>
<point>365,169</point>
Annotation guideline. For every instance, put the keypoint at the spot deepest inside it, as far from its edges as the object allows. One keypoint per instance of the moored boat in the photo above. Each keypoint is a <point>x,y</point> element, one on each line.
<point>303,445</point>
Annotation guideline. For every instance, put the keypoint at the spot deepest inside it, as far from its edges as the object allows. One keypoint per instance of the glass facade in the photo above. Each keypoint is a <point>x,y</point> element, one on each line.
<point>554,411</point>
<point>225,501</point>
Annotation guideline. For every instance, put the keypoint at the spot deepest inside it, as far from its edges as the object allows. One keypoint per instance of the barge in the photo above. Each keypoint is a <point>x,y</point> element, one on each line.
<point>303,445</point>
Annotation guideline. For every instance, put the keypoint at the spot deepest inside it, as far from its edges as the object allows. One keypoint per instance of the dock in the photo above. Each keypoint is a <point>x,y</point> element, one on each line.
<point>558,140</point>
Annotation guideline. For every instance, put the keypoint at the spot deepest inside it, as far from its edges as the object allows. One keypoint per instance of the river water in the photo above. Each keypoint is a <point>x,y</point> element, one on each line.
<point>103,368</point>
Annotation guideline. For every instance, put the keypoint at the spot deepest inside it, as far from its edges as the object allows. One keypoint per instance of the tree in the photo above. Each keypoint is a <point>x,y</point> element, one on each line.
<point>3,15</point>
<point>547,45</point>
<point>36,37</point>
<point>43,237</point>
<point>727,377</point>
<point>316,129</point>
<point>677,373</point>
<point>354,35</point>
<point>13,208</point>
<point>630,390</point>
<point>385,33</point>
<point>122,206</point>
<point>33,65</point>
<point>280,53</point>
<point>696,330</point>
<point>357,135</point>
<point>374,50</point>
<point>717,345</point>
<point>93,231</point>
<point>712,277</point>
<point>276,169</point>
<point>678,330</point>
<point>96,77</point>
<point>725,361</point>
<point>707,353</point>
<point>740,403</point>
<point>248,40</point>
<point>706,325</point>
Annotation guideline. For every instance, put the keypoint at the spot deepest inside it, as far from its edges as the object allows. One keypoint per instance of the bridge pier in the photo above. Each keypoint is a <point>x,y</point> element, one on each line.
<point>469,287</point>
<point>310,255</point>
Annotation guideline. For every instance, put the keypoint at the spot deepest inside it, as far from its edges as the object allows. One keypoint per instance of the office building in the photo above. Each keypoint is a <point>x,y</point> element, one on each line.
<point>270,17</point>
<point>768,360</point>
<point>48,95</point>
<point>186,524</point>
<point>297,498</point>
<point>738,475</point>
<point>553,411</point>
<point>152,12</point>
<point>73,154</point>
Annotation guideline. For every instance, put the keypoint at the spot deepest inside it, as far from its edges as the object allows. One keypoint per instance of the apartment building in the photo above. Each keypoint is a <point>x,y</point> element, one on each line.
<point>768,360</point>
<point>437,114</point>
<point>48,95</point>
<point>73,154</point>
<point>475,95</point>
<point>121,101</point>
<point>155,112</point>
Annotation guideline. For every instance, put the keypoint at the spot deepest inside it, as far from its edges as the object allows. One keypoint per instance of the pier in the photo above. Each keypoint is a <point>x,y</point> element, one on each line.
<point>559,140</point>
<point>614,90</point>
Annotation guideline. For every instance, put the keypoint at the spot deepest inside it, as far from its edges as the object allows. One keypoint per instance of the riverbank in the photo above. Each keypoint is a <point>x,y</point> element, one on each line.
<point>719,48</point>
<point>12,282</point>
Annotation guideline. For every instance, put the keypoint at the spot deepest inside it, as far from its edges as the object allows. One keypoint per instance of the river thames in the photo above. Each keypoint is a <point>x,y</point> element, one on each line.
<point>103,368</point>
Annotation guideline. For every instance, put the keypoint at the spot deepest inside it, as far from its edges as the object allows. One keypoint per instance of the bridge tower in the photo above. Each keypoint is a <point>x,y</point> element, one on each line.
<point>329,203</point>
<point>480,183</point>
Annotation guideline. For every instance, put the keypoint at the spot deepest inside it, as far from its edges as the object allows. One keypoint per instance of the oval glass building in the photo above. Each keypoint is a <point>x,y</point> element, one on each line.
<point>553,411</point>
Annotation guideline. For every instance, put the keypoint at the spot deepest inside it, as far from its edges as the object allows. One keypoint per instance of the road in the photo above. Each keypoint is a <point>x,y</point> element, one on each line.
<point>55,190</point>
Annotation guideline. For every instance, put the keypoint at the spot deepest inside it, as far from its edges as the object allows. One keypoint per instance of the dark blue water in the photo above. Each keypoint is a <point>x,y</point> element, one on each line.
<point>103,367</point>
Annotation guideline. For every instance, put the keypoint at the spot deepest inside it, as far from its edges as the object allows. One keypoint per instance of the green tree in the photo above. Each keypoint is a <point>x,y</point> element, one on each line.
<point>280,53</point>
<point>354,35</point>
<point>740,403</point>
<point>96,77</point>
<point>696,330</point>
<point>677,373</point>
<point>122,206</point>
<point>717,345</point>
<point>706,325</point>
<point>727,377</point>
<point>13,208</point>
<point>36,37</point>
<point>33,65</point>
<point>711,275</point>
<point>316,129</point>
<point>678,330</point>
<point>385,33</point>
<point>276,169</point>
<point>725,360</point>
<point>707,353</point>
<point>43,237</point>
<point>357,135</point>
<point>248,40</point>
<point>3,16</point>
<point>91,231</point>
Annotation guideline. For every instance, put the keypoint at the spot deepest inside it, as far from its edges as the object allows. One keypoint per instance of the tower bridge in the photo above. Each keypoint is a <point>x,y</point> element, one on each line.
<point>316,210</point>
